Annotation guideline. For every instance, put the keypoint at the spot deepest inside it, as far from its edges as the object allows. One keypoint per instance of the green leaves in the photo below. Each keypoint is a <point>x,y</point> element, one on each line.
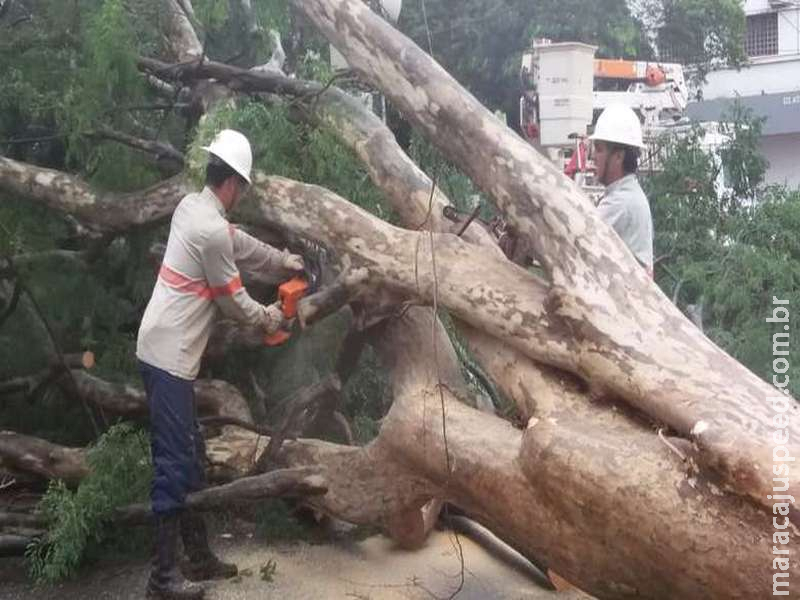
<point>701,32</point>
<point>120,474</point>
<point>727,250</point>
<point>297,151</point>
<point>105,81</point>
<point>481,43</point>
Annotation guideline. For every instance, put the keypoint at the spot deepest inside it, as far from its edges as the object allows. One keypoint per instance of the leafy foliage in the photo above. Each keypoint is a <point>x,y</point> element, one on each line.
<point>481,43</point>
<point>297,151</point>
<point>120,474</point>
<point>727,251</point>
<point>701,33</point>
<point>482,46</point>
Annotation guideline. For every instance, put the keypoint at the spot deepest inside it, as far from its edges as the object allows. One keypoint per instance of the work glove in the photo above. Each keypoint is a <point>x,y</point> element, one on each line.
<point>294,262</point>
<point>274,319</point>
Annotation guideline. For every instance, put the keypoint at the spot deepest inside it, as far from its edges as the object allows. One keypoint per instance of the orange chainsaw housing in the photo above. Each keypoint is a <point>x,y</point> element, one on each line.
<point>289,293</point>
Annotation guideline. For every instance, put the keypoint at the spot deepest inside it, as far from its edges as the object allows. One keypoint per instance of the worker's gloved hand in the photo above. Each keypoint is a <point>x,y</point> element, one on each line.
<point>294,262</point>
<point>274,318</point>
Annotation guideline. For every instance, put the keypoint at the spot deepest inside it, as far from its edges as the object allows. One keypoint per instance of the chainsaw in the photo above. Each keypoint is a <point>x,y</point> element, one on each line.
<point>295,289</point>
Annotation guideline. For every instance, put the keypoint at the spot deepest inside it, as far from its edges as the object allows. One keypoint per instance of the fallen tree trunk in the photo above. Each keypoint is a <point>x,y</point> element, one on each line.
<point>630,340</point>
<point>536,389</point>
<point>673,536</point>
<point>101,213</point>
<point>580,452</point>
<point>213,397</point>
<point>34,455</point>
<point>286,203</point>
<point>525,489</point>
<point>490,293</point>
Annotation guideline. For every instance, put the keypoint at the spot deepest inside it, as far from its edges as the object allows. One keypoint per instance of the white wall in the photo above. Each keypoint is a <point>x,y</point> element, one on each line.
<point>782,152</point>
<point>789,32</point>
<point>774,77</point>
<point>756,6</point>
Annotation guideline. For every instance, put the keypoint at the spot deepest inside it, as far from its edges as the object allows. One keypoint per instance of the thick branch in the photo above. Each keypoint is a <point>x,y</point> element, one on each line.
<point>102,213</point>
<point>404,183</point>
<point>544,490</point>
<point>283,483</point>
<point>347,286</point>
<point>504,299</point>
<point>161,150</point>
<point>34,455</point>
<point>213,397</point>
<point>301,402</point>
<point>632,341</point>
<point>181,29</point>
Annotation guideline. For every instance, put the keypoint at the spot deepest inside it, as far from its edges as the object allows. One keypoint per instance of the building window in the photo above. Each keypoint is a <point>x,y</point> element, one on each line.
<point>762,35</point>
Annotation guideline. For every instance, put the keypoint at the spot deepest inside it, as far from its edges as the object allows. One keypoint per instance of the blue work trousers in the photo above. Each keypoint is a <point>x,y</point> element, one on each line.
<point>178,448</point>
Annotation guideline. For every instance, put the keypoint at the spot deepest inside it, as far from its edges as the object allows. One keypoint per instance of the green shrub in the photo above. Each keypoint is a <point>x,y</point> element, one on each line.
<point>120,474</point>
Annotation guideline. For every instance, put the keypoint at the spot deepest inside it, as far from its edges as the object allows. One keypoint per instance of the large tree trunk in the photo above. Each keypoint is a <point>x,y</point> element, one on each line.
<point>672,536</point>
<point>583,477</point>
<point>629,340</point>
<point>351,233</point>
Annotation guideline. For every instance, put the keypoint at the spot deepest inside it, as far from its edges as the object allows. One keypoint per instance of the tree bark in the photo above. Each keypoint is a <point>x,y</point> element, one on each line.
<point>402,181</point>
<point>34,455</point>
<point>493,294</point>
<point>674,532</point>
<point>630,340</point>
<point>161,150</point>
<point>100,213</point>
<point>183,40</point>
<point>283,483</point>
<point>213,398</point>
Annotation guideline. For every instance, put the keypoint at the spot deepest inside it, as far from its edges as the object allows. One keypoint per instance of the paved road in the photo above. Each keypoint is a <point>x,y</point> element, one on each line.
<point>371,569</point>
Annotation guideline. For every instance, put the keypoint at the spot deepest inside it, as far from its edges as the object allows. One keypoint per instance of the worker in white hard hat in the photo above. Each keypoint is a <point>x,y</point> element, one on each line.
<point>617,141</point>
<point>199,277</point>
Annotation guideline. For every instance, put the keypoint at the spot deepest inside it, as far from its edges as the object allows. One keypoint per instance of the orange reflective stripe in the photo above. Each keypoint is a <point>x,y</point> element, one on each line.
<point>182,283</point>
<point>198,287</point>
<point>229,289</point>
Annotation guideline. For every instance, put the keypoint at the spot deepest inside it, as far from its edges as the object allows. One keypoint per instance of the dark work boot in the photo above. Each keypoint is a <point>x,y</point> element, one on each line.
<point>202,564</point>
<point>166,581</point>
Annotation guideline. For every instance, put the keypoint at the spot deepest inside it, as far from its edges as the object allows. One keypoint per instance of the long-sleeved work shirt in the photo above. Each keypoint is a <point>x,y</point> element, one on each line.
<point>198,276</point>
<point>625,208</point>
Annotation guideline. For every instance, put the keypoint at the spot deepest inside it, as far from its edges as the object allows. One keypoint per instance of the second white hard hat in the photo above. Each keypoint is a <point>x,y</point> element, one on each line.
<point>233,149</point>
<point>619,124</point>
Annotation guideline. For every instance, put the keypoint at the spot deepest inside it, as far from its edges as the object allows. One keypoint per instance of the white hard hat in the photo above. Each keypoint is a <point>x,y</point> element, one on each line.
<point>619,125</point>
<point>234,150</point>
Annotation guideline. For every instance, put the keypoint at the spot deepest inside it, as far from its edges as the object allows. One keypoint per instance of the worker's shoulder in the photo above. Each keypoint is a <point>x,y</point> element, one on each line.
<point>218,233</point>
<point>628,188</point>
<point>200,219</point>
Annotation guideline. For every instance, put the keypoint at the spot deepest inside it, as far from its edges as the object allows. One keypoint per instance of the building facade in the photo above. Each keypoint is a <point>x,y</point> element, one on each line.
<point>769,85</point>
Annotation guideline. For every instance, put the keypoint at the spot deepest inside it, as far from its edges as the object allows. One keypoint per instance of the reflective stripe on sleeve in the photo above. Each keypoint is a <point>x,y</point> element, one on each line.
<point>199,287</point>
